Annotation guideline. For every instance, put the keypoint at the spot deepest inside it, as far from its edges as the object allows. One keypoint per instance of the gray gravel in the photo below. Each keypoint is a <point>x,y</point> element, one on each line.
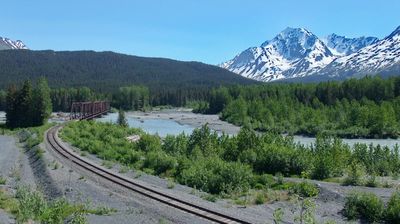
<point>15,167</point>
<point>186,117</point>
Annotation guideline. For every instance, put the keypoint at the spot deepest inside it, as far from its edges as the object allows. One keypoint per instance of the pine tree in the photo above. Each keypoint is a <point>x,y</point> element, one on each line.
<point>24,105</point>
<point>42,106</point>
<point>12,93</point>
<point>122,119</point>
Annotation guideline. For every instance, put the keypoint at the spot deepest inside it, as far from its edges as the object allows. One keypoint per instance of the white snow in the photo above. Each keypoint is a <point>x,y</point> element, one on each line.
<point>296,52</point>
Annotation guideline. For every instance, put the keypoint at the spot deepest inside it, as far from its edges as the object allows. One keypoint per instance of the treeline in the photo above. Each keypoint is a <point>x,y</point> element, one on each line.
<point>63,98</point>
<point>131,98</point>
<point>28,106</point>
<point>127,98</point>
<point>367,107</point>
<point>169,81</point>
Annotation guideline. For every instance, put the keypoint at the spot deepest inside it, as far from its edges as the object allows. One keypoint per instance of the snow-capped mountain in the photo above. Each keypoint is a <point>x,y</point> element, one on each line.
<point>6,44</point>
<point>343,46</point>
<point>380,57</point>
<point>295,52</point>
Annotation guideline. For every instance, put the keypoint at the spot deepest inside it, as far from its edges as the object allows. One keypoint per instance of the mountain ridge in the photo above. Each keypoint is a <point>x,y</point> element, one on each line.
<point>317,57</point>
<point>8,44</point>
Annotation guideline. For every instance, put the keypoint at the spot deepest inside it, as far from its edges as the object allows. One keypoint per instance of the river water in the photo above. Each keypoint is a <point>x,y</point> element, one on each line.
<point>2,117</point>
<point>163,127</point>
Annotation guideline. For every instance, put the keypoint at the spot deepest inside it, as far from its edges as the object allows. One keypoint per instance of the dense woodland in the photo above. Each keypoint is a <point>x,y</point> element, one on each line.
<point>368,107</point>
<point>169,81</point>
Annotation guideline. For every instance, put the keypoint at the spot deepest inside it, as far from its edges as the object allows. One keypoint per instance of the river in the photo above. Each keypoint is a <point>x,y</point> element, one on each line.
<point>175,122</point>
<point>2,117</point>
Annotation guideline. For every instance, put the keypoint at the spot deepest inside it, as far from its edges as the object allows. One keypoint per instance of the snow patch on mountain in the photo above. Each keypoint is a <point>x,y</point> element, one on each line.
<point>297,53</point>
<point>6,44</point>
<point>342,46</point>
<point>376,58</point>
<point>294,52</point>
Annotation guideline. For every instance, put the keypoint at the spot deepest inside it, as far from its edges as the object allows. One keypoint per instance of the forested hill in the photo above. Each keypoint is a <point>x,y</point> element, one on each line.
<point>107,71</point>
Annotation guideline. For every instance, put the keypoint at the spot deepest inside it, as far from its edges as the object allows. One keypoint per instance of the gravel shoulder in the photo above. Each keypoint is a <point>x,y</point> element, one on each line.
<point>15,168</point>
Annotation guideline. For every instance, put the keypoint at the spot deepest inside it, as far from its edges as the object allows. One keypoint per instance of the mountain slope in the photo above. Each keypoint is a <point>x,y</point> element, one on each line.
<point>381,57</point>
<point>342,46</point>
<point>295,52</point>
<point>108,70</point>
<point>298,55</point>
<point>7,44</point>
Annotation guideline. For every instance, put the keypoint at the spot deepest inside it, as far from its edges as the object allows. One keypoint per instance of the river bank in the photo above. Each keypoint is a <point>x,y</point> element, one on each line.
<point>186,117</point>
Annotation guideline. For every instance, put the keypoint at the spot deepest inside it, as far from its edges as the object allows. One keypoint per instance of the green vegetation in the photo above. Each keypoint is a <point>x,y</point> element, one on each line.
<point>362,205</point>
<point>30,205</point>
<point>132,98</point>
<point>169,81</point>
<point>122,119</point>
<point>228,165</point>
<point>223,164</point>
<point>393,208</point>
<point>28,107</point>
<point>367,107</point>
<point>3,180</point>
<point>367,206</point>
<point>305,189</point>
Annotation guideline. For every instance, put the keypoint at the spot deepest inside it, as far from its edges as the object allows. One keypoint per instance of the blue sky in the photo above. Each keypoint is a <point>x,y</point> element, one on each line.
<point>210,31</point>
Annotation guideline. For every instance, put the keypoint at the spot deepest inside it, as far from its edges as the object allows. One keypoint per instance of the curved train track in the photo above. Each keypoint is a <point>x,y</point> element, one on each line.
<point>52,138</point>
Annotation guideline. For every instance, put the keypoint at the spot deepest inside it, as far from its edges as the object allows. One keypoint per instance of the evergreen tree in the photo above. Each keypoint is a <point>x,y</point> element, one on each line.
<point>24,106</point>
<point>42,103</point>
<point>11,107</point>
<point>122,119</point>
<point>3,97</point>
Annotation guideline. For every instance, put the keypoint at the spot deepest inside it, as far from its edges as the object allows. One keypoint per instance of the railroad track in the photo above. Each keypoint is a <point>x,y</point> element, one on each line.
<point>52,138</point>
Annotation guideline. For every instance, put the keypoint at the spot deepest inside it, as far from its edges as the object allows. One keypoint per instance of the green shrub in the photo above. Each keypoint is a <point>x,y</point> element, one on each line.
<point>216,176</point>
<point>102,210</point>
<point>2,180</point>
<point>264,180</point>
<point>160,162</point>
<point>260,198</point>
<point>31,204</point>
<point>305,189</point>
<point>363,205</point>
<point>371,181</point>
<point>393,208</point>
<point>209,197</point>
<point>355,175</point>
